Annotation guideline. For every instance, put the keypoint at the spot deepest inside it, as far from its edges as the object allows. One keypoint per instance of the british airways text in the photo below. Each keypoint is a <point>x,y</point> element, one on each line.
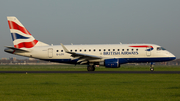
<point>120,53</point>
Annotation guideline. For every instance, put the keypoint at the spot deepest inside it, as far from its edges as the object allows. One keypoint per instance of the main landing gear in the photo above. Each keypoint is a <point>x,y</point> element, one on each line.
<point>90,67</point>
<point>152,67</point>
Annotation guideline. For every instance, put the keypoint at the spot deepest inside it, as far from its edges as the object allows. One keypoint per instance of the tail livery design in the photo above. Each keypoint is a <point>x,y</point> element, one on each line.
<point>20,35</point>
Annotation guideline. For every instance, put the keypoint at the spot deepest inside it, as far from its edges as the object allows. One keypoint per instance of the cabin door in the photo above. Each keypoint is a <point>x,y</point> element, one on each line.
<point>50,52</point>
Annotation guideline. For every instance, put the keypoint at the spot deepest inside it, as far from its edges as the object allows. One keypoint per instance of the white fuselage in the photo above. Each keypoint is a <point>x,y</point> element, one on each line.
<point>105,51</point>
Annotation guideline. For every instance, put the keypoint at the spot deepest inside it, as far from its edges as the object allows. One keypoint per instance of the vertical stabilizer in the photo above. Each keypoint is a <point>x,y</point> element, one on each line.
<point>20,35</point>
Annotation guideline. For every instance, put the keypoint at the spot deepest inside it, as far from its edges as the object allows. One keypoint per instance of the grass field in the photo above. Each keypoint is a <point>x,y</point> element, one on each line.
<point>89,87</point>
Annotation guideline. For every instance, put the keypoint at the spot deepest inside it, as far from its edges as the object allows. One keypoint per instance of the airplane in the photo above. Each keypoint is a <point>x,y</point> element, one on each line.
<point>108,55</point>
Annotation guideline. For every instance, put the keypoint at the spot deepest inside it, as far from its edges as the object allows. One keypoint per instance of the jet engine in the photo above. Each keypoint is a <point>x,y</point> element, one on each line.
<point>111,63</point>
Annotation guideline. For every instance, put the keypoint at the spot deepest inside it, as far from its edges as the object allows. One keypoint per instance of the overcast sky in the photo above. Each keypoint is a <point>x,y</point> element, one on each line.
<point>95,21</point>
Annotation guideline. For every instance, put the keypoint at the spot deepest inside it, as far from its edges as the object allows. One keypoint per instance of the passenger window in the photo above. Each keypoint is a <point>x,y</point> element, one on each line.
<point>99,49</point>
<point>61,50</point>
<point>104,49</point>
<point>94,50</point>
<point>136,49</point>
<point>89,49</point>
<point>113,49</point>
<point>84,50</point>
<point>118,50</point>
<point>122,49</point>
<point>80,50</point>
<point>57,51</point>
<point>127,49</point>
<point>71,50</point>
<point>132,49</point>
<point>75,50</point>
<point>108,49</point>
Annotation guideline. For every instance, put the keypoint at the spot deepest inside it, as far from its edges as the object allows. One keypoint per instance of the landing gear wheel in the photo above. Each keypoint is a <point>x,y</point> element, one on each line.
<point>90,67</point>
<point>151,69</point>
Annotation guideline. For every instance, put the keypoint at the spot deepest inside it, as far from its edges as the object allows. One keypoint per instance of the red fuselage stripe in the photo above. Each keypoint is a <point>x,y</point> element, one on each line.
<point>143,46</point>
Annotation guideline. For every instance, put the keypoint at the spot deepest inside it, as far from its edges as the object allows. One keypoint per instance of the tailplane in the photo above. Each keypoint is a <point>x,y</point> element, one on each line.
<point>21,36</point>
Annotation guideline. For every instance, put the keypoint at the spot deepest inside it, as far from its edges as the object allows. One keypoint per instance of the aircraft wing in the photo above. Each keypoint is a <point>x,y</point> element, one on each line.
<point>80,56</point>
<point>84,55</point>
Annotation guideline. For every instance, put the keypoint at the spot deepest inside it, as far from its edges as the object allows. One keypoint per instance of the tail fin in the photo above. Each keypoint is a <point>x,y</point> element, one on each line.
<point>21,36</point>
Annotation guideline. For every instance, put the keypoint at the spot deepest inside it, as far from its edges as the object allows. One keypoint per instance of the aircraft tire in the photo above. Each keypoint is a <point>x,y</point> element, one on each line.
<point>90,67</point>
<point>151,69</point>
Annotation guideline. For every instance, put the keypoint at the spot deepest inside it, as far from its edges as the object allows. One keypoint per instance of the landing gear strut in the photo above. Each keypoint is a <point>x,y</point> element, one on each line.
<point>152,67</point>
<point>91,67</point>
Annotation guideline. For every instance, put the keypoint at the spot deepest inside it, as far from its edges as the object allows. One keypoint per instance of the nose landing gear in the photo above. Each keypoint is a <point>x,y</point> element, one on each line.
<point>152,67</point>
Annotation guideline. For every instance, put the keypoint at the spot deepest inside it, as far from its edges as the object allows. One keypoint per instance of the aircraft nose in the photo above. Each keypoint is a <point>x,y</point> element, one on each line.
<point>171,56</point>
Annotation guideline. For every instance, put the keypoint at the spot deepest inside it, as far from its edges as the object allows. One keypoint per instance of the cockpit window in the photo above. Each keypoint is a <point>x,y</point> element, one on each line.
<point>163,48</point>
<point>160,48</point>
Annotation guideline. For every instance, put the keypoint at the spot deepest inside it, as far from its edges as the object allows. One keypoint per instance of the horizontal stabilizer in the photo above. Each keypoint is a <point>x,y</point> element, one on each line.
<point>11,49</point>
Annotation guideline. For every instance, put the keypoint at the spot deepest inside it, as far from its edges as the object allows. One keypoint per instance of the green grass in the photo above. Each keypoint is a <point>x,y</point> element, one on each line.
<point>88,87</point>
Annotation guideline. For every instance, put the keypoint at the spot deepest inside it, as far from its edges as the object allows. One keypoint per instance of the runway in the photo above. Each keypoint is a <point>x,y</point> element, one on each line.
<point>98,72</point>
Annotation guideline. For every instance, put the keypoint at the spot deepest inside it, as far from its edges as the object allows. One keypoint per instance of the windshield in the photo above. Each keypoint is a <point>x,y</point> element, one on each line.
<point>160,48</point>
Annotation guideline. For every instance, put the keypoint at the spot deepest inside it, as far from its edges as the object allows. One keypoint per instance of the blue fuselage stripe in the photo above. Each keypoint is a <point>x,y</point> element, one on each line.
<point>121,60</point>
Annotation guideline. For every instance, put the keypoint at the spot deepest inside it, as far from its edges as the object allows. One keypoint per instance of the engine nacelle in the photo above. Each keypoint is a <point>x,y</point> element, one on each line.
<point>112,63</point>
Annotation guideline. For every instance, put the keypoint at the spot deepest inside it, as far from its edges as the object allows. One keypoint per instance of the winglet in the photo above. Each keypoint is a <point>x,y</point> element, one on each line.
<point>65,49</point>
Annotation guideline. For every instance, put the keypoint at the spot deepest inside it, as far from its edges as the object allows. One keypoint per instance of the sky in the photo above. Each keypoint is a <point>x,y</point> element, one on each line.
<point>94,22</point>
